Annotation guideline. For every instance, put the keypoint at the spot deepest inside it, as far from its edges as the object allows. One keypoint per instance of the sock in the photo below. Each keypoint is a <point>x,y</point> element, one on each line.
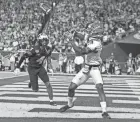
<point>51,100</point>
<point>103,106</point>
<point>70,101</point>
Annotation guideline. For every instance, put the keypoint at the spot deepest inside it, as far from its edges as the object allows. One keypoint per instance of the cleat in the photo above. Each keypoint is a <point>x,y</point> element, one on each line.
<point>106,115</point>
<point>35,90</point>
<point>64,108</point>
<point>53,104</point>
<point>29,85</point>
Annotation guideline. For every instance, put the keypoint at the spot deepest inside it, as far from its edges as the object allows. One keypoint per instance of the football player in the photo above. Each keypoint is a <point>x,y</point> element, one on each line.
<point>45,20</point>
<point>37,55</point>
<point>35,66</point>
<point>90,69</point>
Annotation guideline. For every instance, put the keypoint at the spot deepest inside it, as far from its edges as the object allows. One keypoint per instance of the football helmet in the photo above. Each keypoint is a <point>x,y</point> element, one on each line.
<point>43,39</point>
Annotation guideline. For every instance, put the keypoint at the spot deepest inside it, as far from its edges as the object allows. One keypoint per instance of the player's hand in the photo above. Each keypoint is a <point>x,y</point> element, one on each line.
<point>51,71</point>
<point>40,61</point>
<point>54,4</point>
<point>41,4</point>
<point>17,71</point>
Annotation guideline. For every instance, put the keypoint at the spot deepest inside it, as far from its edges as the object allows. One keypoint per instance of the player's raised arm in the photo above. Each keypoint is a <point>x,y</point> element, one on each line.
<point>81,50</point>
<point>47,16</point>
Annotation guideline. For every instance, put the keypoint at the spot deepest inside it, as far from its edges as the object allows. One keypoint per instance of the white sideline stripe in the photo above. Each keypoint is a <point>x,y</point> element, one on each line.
<point>15,76</point>
<point>67,85</point>
<point>126,85</point>
<point>78,90</point>
<point>89,81</point>
<point>122,81</point>
<point>23,106</point>
<point>63,86</point>
<point>81,87</point>
<point>25,86</point>
<point>26,83</point>
<point>61,83</point>
<point>33,99</point>
<point>122,89</point>
<point>2,93</point>
<point>12,89</point>
<point>112,82</point>
<point>62,94</point>
<point>24,114</point>
<point>17,110</point>
<point>126,101</point>
<point>134,90</point>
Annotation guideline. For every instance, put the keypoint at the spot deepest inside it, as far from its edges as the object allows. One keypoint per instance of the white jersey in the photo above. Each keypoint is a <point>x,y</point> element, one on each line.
<point>94,58</point>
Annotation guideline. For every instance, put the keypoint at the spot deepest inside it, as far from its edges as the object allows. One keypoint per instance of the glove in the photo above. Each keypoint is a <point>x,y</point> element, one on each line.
<point>51,71</point>
<point>54,4</point>
<point>41,4</point>
<point>17,71</point>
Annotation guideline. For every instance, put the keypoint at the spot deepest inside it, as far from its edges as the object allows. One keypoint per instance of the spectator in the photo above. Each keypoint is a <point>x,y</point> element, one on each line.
<point>12,62</point>
<point>1,66</point>
<point>130,63</point>
<point>64,64</point>
<point>112,64</point>
<point>118,70</point>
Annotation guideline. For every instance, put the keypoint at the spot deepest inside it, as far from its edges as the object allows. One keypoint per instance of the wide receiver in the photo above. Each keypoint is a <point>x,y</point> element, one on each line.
<point>90,69</point>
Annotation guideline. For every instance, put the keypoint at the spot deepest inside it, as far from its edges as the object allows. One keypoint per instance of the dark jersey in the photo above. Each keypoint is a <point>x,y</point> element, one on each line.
<point>35,54</point>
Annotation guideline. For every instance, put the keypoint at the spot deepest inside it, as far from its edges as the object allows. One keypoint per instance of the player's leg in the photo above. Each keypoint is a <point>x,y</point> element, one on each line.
<point>33,79</point>
<point>45,78</point>
<point>97,78</point>
<point>79,79</point>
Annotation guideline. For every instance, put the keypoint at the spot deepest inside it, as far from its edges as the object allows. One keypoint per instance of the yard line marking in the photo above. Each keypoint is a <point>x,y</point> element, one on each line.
<point>19,110</point>
<point>27,107</point>
<point>126,101</point>
<point>65,94</point>
<point>24,114</point>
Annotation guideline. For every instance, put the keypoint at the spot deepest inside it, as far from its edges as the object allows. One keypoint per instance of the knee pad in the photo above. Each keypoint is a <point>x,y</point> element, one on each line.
<point>99,86</point>
<point>72,87</point>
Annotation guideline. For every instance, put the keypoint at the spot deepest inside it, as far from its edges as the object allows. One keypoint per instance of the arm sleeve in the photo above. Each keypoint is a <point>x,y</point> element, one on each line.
<point>49,63</point>
<point>22,59</point>
<point>46,19</point>
<point>44,22</point>
<point>26,55</point>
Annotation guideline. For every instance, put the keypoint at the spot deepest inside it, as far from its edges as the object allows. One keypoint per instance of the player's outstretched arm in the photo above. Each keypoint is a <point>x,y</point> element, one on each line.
<point>48,15</point>
<point>25,55</point>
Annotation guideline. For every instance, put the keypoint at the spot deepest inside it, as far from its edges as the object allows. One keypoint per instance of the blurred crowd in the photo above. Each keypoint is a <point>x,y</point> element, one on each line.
<point>21,19</point>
